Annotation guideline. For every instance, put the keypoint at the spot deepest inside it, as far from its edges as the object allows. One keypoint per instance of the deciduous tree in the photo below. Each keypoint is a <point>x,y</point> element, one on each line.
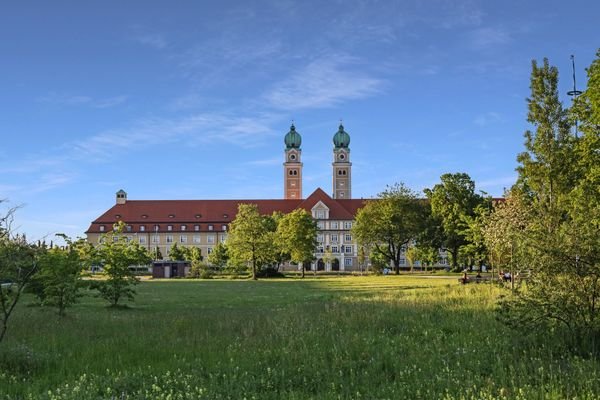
<point>251,238</point>
<point>297,236</point>
<point>116,254</point>
<point>18,263</point>
<point>453,202</point>
<point>390,222</point>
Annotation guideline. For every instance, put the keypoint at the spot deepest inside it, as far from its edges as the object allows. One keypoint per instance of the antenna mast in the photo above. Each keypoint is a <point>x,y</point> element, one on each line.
<point>574,93</point>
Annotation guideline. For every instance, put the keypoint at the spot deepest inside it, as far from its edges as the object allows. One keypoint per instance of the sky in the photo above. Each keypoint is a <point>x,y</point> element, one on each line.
<point>192,99</point>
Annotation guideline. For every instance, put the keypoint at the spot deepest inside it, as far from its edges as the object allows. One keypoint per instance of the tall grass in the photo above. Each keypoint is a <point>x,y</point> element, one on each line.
<point>353,337</point>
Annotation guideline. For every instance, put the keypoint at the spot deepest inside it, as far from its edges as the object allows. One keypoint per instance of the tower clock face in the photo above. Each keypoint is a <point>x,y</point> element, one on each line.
<point>292,157</point>
<point>342,157</point>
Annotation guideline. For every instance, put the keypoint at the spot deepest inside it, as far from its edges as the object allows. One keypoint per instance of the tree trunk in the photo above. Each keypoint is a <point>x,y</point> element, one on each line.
<point>397,267</point>
<point>302,270</point>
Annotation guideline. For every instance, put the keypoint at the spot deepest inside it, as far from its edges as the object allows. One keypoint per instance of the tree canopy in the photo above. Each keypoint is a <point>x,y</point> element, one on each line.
<point>386,225</point>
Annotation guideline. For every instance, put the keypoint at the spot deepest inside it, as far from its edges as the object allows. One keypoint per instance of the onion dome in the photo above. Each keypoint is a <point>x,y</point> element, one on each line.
<point>341,139</point>
<point>293,140</point>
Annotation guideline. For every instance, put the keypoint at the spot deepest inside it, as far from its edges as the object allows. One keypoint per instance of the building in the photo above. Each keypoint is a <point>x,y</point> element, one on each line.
<point>158,224</point>
<point>203,223</point>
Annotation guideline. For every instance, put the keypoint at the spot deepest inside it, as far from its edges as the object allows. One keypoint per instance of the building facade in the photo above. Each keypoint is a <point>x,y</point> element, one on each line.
<point>159,224</point>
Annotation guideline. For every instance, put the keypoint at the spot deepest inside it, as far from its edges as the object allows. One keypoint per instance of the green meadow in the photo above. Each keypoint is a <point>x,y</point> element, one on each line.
<point>319,338</point>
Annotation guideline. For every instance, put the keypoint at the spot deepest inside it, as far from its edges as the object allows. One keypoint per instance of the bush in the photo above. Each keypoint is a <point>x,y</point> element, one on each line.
<point>269,272</point>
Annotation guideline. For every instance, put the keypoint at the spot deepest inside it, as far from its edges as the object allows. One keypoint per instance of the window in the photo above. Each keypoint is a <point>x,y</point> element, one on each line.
<point>169,238</point>
<point>129,239</point>
<point>142,228</point>
<point>155,239</point>
<point>183,227</point>
<point>223,228</point>
<point>341,195</point>
<point>210,239</point>
<point>320,225</point>
<point>197,228</point>
<point>320,238</point>
<point>334,225</point>
<point>128,227</point>
<point>334,249</point>
<point>196,239</point>
<point>348,250</point>
<point>347,225</point>
<point>156,228</point>
<point>334,237</point>
<point>101,239</point>
<point>169,227</point>
<point>320,249</point>
<point>210,227</point>
<point>348,262</point>
<point>142,239</point>
<point>102,228</point>
<point>348,237</point>
<point>402,261</point>
<point>183,239</point>
<point>209,250</point>
<point>223,238</point>
<point>320,214</point>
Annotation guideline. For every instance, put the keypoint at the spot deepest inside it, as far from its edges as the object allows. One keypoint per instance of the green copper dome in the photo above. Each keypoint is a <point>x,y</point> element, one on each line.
<point>341,139</point>
<point>293,140</point>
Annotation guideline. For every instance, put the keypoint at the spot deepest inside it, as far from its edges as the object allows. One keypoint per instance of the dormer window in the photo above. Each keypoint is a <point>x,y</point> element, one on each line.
<point>102,227</point>
<point>183,227</point>
<point>320,214</point>
<point>144,216</point>
<point>128,227</point>
<point>117,216</point>
<point>171,215</point>
<point>198,216</point>
<point>169,227</point>
<point>156,228</point>
<point>142,228</point>
<point>210,227</point>
<point>223,227</point>
<point>196,228</point>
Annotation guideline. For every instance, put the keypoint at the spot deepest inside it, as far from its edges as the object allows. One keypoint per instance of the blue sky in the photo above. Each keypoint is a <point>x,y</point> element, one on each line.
<point>191,99</point>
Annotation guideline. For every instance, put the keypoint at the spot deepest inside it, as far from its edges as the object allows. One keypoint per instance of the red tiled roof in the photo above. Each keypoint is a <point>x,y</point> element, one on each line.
<point>203,212</point>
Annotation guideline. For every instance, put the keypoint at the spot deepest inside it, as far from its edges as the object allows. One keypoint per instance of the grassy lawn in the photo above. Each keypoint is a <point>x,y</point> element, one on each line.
<point>319,338</point>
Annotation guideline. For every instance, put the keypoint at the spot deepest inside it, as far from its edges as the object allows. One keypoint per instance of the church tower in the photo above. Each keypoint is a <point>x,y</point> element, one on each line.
<point>292,167</point>
<point>342,167</point>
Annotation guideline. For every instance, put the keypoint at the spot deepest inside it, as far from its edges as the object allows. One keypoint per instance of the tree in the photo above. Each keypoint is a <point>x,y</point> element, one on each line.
<point>559,190</point>
<point>178,253</point>
<point>297,236</point>
<point>219,256</point>
<point>251,238</point>
<point>116,254</point>
<point>453,202</point>
<point>18,263</point>
<point>389,223</point>
<point>59,274</point>
<point>411,254</point>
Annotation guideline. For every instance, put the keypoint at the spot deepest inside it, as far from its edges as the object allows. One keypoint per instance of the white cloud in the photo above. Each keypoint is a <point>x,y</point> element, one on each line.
<point>81,100</point>
<point>155,40</point>
<point>323,83</point>
<point>488,37</point>
<point>487,119</point>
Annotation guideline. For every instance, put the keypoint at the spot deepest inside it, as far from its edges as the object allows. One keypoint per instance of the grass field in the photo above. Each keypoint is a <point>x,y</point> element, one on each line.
<point>325,338</point>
